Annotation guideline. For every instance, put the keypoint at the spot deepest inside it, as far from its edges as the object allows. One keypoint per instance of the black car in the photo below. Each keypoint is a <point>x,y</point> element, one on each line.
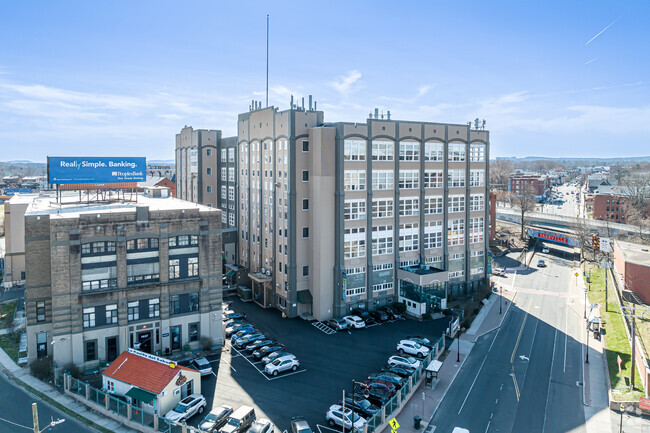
<point>256,344</point>
<point>378,393</point>
<point>399,370</point>
<point>365,316</point>
<point>361,406</point>
<point>422,341</point>
<point>393,313</point>
<point>380,316</point>
<point>393,378</point>
<point>267,350</point>
<point>247,339</point>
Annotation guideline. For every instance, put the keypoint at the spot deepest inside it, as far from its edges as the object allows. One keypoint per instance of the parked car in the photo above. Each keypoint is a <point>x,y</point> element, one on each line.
<point>400,370</point>
<point>407,361</point>
<point>545,250</point>
<point>272,356</point>
<point>361,406</point>
<point>230,330</point>
<point>267,350</point>
<point>202,365</point>
<point>365,316</point>
<point>241,333</point>
<point>421,340</point>
<point>233,315</point>
<point>412,348</point>
<point>354,322</point>
<point>186,408</point>
<point>262,425</point>
<point>215,419</point>
<point>541,264</point>
<point>380,316</point>
<point>378,393</point>
<point>240,420</point>
<point>252,347</point>
<point>282,363</point>
<point>247,339</point>
<point>299,425</point>
<point>392,313</point>
<point>336,416</point>
<point>393,378</point>
<point>337,324</point>
<point>390,386</point>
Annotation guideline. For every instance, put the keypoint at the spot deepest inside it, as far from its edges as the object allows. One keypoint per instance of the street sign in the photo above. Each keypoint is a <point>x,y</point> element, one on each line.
<point>577,274</point>
<point>393,424</point>
<point>605,245</point>
<point>644,403</point>
<point>606,265</point>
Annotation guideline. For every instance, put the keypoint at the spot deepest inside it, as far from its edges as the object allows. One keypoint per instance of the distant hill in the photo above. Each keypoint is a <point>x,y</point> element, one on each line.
<point>629,159</point>
<point>161,161</point>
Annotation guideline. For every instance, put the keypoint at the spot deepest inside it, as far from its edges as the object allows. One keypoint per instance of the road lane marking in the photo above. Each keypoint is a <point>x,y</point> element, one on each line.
<point>514,380</point>
<point>550,379</point>
<point>566,332</point>
<point>521,330</point>
<point>470,388</point>
<point>286,374</point>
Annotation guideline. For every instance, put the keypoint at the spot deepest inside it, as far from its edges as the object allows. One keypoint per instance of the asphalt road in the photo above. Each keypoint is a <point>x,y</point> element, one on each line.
<point>526,376</point>
<point>16,412</point>
<point>329,363</point>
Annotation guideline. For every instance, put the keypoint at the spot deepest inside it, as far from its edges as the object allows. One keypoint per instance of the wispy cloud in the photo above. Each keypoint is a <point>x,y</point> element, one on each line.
<point>591,61</point>
<point>346,84</point>
<point>603,30</point>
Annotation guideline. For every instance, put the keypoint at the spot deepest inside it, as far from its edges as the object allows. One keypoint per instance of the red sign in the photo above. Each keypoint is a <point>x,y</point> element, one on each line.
<point>619,361</point>
<point>644,403</point>
<point>553,238</point>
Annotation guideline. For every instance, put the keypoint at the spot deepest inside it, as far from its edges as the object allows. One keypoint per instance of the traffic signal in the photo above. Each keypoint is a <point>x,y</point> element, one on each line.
<point>595,241</point>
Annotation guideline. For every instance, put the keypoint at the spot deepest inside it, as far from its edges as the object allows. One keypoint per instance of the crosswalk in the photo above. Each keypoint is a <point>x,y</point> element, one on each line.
<point>323,327</point>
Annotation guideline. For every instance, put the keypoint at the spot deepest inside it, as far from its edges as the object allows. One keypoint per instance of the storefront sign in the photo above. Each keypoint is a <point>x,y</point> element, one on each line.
<point>181,379</point>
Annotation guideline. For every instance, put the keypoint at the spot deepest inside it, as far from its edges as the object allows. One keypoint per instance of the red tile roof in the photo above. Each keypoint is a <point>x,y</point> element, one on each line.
<point>142,372</point>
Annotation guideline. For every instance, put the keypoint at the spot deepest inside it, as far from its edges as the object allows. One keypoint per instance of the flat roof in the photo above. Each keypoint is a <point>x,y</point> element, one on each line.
<point>69,207</point>
<point>635,253</point>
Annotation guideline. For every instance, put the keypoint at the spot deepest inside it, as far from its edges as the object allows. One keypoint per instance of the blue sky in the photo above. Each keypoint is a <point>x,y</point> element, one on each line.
<point>123,77</point>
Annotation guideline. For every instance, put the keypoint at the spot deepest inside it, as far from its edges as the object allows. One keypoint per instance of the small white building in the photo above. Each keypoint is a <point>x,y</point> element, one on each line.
<point>150,382</point>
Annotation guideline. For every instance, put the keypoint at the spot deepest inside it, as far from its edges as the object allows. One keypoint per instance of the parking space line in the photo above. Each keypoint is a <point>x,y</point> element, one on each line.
<point>286,374</point>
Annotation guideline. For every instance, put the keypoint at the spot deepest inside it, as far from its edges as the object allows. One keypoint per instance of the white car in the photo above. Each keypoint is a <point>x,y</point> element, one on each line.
<point>354,322</point>
<point>282,363</point>
<point>202,365</point>
<point>262,425</point>
<point>336,417</point>
<point>412,348</point>
<point>186,408</point>
<point>406,361</point>
<point>545,250</point>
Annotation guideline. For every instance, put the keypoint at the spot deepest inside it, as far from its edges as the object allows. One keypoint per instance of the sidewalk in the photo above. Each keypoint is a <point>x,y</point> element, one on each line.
<point>21,376</point>
<point>426,400</point>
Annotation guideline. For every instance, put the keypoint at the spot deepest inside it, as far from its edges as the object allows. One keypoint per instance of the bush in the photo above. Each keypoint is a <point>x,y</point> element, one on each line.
<point>42,369</point>
<point>446,312</point>
<point>400,307</point>
<point>73,370</point>
<point>206,343</point>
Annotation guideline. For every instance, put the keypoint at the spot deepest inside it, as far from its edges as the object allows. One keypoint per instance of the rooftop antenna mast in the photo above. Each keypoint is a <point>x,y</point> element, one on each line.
<point>267,60</point>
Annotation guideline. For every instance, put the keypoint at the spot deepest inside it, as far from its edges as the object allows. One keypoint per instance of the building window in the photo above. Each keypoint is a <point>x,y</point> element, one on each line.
<point>354,180</point>
<point>224,174</point>
<point>305,232</point>
<point>305,271</point>
<point>354,209</point>
<point>382,208</point>
<point>383,150</point>
<point>476,230</point>
<point>40,311</point>
<point>477,153</point>
<point>456,152</point>
<point>231,193</point>
<point>381,287</point>
<point>433,178</point>
<point>111,314</point>
<point>354,242</point>
<point>223,155</point>
<point>356,291</point>
<point>305,175</point>
<point>433,151</point>
<point>174,304</point>
<point>194,302</point>
<point>433,234</point>
<point>231,219</point>
<point>209,189</point>
<point>477,178</point>
<point>193,332</point>
<point>231,154</point>
<point>456,203</point>
<point>477,202</point>
<point>305,204</point>
<point>90,350</point>
<point>382,240</point>
<point>409,151</point>
<point>354,271</point>
<point>456,178</point>
<point>208,152</point>
<point>382,266</point>
<point>409,179</point>
<point>208,170</point>
<point>382,179</point>
<point>456,232</point>
<point>408,237</point>
<point>409,206</point>
<point>224,192</point>
<point>154,307</point>
<point>231,174</point>
<point>305,145</point>
<point>354,150</point>
<point>433,204</point>
<point>89,317</point>
<point>133,312</point>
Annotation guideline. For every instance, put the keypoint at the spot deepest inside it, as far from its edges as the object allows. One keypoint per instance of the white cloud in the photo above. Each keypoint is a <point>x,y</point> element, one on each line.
<point>346,84</point>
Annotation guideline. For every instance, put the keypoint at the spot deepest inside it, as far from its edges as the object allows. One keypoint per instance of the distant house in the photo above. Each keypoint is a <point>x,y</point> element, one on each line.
<point>158,181</point>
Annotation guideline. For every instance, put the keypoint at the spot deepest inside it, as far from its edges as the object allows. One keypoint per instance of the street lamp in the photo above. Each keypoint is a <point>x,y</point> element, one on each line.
<point>587,349</point>
<point>585,312</point>
<point>354,401</point>
<point>500,296</point>
<point>460,330</point>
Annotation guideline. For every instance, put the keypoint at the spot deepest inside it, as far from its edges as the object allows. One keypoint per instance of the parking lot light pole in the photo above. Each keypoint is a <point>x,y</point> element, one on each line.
<point>458,354</point>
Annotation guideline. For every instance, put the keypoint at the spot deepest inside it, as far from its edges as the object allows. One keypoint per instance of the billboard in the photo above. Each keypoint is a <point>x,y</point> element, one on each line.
<point>64,170</point>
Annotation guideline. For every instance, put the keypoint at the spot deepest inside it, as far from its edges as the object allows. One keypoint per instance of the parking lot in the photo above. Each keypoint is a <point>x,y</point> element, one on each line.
<point>328,363</point>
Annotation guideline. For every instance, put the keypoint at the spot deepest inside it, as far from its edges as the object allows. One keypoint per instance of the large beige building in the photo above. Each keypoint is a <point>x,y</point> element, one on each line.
<point>104,277</point>
<point>14,222</point>
<point>336,216</point>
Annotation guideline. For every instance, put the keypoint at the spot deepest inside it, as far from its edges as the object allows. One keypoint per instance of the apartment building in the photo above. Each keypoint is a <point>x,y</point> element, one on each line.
<point>611,203</point>
<point>14,221</point>
<point>205,174</point>
<point>104,277</point>
<point>335,216</point>
<point>526,183</point>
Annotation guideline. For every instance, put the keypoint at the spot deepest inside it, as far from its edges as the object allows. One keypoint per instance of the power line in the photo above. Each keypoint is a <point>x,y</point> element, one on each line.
<point>17,425</point>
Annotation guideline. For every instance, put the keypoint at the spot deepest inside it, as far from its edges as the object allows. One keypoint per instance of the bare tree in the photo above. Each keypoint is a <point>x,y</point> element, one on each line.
<point>526,202</point>
<point>583,234</point>
<point>500,170</point>
<point>619,172</point>
<point>636,191</point>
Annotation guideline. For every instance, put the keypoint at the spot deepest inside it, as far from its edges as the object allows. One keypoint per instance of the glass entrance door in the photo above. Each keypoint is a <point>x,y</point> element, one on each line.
<point>176,337</point>
<point>111,349</point>
<point>41,345</point>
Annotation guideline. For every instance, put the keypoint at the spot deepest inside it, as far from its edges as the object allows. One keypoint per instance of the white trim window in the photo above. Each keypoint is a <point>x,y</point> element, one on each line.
<point>409,179</point>
<point>383,150</point>
<point>224,153</point>
<point>354,209</point>
<point>433,260</point>
<point>433,234</point>
<point>355,291</point>
<point>354,271</point>
<point>383,286</point>
<point>409,206</point>
<point>382,208</point>
<point>433,178</point>
<point>455,178</point>
<point>231,174</point>
<point>231,193</point>
<point>383,179</point>
<point>382,266</point>
<point>409,151</point>
<point>354,180</point>
<point>231,219</point>
<point>354,150</point>
<point>476,230</point>
<point>224,192</point>
<point>477,153</point>
<point>456,152</point>
<point>409,237</point>
<point>456,232</point>
<point>456,274</point>
<point>382,240</point>
<point>477,202</point>
<point>231,154</point>
<point>475,271</point>
<point>477,253</point>
<point>433,204</point>
<point>224,173</point>
<point>434,151</point>
<point>477,178</point>
<point>354,242</point>
<point>456,203</point>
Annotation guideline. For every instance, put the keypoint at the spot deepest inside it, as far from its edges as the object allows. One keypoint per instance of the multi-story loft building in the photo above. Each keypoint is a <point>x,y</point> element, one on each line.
<point>525,183</point>
<point>104,277</point>
<point>335,216</point>
<point>205,174</point>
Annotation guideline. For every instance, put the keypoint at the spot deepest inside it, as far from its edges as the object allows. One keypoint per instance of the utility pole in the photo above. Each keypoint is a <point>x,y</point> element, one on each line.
<point>35,418</point>
<point>632,313</point>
